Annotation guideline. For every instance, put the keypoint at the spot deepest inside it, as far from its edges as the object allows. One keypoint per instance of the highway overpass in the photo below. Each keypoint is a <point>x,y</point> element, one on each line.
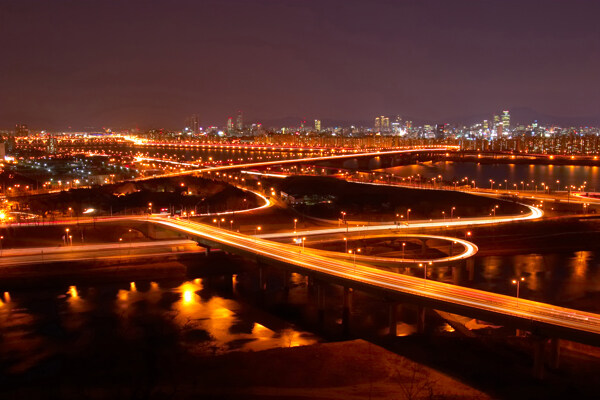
<point>539,318</point>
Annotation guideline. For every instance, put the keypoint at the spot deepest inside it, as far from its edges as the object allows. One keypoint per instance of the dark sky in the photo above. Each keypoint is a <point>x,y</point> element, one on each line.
<point>152,63</point>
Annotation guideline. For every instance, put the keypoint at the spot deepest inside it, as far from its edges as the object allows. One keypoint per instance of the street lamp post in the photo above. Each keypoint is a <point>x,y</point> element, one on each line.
<point>518,283</point>
<point>421,265</point>
<point>403,246</point>
<point>353,252</point>
<point>408,216</point>
<point>452,213</point>
<point>295,221</point>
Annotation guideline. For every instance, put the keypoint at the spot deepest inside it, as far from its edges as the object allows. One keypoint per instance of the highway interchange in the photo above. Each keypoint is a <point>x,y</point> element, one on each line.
<point>360,273</point>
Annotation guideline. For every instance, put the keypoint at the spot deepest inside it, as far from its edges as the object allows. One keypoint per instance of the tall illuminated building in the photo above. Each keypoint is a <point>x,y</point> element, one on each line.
<point>385,124</point>
<point>317,125</point>
<point>239,121</point>
<point>52,145</point>
<point>382,124</point>
<point>192,124</point>
<point>230,125</point>
<point>505,121</point>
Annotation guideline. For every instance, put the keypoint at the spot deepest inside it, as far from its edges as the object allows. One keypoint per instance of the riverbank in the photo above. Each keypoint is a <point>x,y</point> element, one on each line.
<point>345,370</point>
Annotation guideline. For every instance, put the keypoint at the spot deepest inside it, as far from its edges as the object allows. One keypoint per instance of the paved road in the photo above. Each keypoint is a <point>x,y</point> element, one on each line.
<point>96,252</point>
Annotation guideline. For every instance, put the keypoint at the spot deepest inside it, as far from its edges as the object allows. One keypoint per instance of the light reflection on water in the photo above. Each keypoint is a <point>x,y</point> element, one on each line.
<point>513,173</point>
<point>558,278</point>
<point>31,328</point>
<point>219,317</point>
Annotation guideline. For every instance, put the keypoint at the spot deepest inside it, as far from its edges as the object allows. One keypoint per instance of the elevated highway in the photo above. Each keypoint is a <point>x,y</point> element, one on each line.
<point>264,164</point>
<point>542,319</point>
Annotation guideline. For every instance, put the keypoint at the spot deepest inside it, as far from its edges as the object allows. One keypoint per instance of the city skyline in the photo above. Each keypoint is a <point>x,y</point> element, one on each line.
<point>151,64</point>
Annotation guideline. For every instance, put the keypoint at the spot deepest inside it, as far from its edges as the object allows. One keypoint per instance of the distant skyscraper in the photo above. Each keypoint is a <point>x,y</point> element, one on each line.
<point>195,124</point>
<point>52,145</point>
<point>317,125</point>
<point>229,125</point>
<point>10,145</point>
<point>440,131</point>
<point>382,124</point>
<point>239,121</point>
<point>505,121</point>
<point>385,123</point>
<point>496,120</point>
<point>485,124</point>
<point>192,124</point>
<point>21,130</point>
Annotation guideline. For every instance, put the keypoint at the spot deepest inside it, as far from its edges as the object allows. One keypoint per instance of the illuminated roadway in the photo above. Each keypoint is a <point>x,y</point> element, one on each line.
<point>534,213</point>
<point>469,250</point>
<point>540,318</point>
<point>79,252</point>
<point>97,252</point>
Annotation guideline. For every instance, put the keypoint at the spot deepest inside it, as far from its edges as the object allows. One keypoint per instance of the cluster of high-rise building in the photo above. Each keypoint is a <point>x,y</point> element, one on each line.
<point>498,133</point>
<point>382,125</point>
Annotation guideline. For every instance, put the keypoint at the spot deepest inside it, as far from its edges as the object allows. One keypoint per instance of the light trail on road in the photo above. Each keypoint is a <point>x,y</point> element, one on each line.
<point>535,213</point>
<point>288,161</point>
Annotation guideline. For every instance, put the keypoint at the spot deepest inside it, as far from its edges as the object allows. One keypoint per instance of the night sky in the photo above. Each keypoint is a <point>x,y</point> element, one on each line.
<point>127,63</point>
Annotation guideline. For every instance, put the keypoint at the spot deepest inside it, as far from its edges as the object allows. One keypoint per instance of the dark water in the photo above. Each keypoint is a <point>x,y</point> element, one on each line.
<point>39,326</point>
<point>570,279</point>
<point>513,173</point>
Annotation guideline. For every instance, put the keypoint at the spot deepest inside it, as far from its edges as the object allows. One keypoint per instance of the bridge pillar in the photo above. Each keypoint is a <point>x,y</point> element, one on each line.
<point>423,247</point>
<point>471,269</point>
<point>538,357</point>
<point>347,299</point>
<point>393,319</point>
<point>228,283</point>
<point>286,283</point>
<point>320,305</point>
<point>262,284</point>
<point>310,282</point>
<point>456,274</point>
<point>206,250</point>
<point>554,353</point>
<point>420,319</point>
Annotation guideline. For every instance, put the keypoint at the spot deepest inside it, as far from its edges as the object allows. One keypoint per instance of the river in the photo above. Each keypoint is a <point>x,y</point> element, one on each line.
<point>531,175</point>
